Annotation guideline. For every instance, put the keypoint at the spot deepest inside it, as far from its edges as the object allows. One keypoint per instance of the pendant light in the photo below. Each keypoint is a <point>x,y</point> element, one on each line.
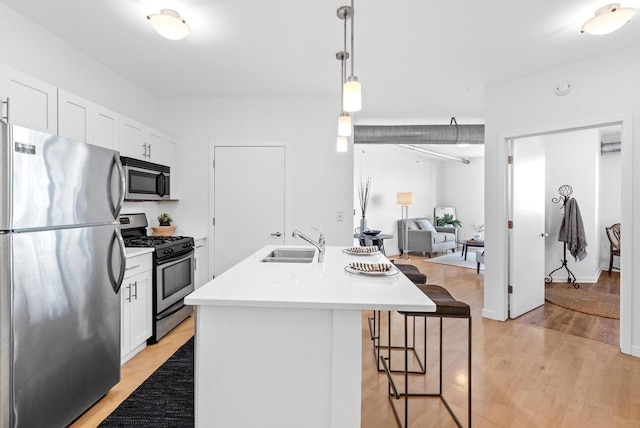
<point>608,19</point>
<point>169,24</point>
<point>342,145</point>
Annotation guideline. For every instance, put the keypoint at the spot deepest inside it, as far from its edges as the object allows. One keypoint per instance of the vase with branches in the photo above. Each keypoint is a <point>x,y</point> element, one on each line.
<point>364,190</point>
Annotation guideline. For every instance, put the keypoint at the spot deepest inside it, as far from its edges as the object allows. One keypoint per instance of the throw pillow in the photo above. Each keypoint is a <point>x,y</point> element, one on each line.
<point>425,224</point>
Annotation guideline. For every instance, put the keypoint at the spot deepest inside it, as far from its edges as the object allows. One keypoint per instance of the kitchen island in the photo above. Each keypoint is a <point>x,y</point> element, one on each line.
<point>279,344</point>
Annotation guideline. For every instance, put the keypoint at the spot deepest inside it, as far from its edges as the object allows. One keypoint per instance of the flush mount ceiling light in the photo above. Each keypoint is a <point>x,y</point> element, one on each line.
<point>608,19</point>
<point>170,24</point>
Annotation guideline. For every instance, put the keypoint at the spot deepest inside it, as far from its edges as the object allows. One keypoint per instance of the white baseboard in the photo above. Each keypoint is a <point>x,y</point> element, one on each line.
<point>493,315</point>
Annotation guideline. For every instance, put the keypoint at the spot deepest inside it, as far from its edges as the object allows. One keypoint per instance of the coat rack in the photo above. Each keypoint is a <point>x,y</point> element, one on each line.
<point>565,192</point>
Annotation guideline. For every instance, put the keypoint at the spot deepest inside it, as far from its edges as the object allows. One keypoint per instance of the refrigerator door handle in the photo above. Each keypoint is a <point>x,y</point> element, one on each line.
<point>116,282</point>
<point>115,209</point>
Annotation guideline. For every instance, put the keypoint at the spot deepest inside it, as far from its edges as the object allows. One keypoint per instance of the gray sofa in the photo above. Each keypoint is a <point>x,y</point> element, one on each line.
<point>426,238</point>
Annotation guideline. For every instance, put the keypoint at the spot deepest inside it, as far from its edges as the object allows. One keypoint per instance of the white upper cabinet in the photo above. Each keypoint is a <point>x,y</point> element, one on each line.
<point>142,142</point>
<point>82,120</point>
<point>33,103</point>
<point>73,115</point>
<point>104,129</point>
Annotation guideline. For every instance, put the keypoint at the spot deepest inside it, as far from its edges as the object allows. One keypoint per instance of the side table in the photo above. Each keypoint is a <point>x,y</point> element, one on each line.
<point>470,243</point>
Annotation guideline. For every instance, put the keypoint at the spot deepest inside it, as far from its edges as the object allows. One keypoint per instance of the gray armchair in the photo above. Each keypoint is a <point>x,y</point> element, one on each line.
<point>426,238</point>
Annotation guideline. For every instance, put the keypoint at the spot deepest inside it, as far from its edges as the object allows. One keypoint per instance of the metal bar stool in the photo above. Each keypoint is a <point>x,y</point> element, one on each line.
<point>417,277</point>
<point>446,307</point>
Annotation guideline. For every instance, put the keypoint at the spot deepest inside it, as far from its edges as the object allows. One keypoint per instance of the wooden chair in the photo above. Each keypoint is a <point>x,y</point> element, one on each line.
<point>613,233</point>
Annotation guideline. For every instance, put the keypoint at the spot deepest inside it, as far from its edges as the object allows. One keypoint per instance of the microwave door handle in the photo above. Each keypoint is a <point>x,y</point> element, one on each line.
<point>115,209</point>
<point>160,185</point>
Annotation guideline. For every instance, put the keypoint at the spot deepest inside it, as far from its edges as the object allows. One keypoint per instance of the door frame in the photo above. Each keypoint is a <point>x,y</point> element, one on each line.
<point>211,186</point>
<point>625,120</point>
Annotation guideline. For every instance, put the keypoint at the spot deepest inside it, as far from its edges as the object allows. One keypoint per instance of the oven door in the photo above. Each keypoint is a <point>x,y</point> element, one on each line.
<point>174,280</point>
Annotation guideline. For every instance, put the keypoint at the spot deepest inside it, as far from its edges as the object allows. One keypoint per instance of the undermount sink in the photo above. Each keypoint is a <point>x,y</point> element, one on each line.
<point>290,255</point>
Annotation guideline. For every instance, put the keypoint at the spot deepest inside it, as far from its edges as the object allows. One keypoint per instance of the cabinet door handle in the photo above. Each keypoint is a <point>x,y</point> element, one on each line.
<point>129,293</point>
<point>149,145</point>
<point>135,295</point>
<point>144,150</point>
<point>277,234</point>
<point>7,116</point>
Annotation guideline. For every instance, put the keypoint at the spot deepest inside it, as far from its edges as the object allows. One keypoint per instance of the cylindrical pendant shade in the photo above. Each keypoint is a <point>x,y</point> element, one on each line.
<point>344,125</point>
<point>405,198</point>
<point>352,95</point>
<point>342,145</point>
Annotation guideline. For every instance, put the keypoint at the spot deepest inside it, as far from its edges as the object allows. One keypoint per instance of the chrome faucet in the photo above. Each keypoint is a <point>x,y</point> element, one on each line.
<point>319,245</point>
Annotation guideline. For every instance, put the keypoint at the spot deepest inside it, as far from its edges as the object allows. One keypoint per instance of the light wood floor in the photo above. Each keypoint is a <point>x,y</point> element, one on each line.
<point>523,375</point>
<point>605,330</point>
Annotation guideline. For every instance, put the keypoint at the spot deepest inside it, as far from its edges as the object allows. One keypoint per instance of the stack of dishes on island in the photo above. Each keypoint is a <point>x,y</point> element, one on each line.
<point>363,268</point>
<point>363,251</point>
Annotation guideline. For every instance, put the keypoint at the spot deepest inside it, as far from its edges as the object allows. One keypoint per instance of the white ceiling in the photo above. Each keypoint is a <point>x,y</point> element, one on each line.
<point>417,60</point>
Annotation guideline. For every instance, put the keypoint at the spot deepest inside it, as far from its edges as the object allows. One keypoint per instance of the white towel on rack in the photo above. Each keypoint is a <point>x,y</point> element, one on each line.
<point>572,230</point>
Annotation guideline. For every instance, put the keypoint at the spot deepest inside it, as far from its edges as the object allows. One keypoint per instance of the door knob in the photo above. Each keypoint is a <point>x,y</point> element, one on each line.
<point>544,235</point>
<point>277,234</point>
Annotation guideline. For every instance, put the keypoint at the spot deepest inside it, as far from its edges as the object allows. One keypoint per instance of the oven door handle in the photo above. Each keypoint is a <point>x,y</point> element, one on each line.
<point>174,258</point>
<point>168,314</point>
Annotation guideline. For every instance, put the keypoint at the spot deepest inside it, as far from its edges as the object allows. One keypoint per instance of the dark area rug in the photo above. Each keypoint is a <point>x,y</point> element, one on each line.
<point>164,400</point>
<point>584,299</point>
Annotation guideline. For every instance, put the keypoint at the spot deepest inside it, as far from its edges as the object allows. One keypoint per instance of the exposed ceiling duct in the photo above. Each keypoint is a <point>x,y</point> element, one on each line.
<point>419,134</point>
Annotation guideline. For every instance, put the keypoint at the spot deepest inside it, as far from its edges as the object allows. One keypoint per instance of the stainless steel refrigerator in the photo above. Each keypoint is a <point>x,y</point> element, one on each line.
<point>61,265</point>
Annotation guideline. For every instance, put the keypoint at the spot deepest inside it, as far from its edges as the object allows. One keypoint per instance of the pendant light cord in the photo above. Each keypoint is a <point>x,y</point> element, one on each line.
<point>353,14</point>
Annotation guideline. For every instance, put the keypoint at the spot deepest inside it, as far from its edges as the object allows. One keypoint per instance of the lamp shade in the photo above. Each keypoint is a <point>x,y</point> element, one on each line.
<point>608,19</point>
<point>405,198</point>
<point>352,95</point>
<point>342,145</point>
<point>344,125</point>
<point>169,24</point>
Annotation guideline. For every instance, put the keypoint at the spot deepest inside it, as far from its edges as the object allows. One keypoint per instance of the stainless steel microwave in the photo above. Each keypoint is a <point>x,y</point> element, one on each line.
<point>146,181</point>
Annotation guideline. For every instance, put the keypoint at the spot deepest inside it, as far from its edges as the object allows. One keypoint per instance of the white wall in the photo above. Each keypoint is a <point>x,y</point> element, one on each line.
<point>610,186</point>
<point>318,179</point>
<point>462,187</point>
<point>393,170</point>
<point>606,90</point>
<point>30,49</point>
<point>433,182</point>
<point>572,158</point>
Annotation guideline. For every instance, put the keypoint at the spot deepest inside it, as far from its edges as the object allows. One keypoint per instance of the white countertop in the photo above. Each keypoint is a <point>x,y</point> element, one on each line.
<point>252,283</point>
<point>138,251</point>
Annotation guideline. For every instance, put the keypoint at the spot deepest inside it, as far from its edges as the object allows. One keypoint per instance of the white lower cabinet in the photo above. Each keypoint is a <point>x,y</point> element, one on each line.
<point>200,260</point>
<point>136,316</point>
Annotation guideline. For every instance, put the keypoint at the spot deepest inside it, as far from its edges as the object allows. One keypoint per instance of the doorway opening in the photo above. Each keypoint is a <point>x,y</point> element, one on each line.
<point>578,297</point>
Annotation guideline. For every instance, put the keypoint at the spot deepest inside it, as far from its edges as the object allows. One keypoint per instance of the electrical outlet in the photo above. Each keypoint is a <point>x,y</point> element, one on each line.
<point>340,216</point>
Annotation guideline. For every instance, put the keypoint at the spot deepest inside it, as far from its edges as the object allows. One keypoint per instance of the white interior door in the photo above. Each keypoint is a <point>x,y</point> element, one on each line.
<point>527,237</point>
<point>249,200</point>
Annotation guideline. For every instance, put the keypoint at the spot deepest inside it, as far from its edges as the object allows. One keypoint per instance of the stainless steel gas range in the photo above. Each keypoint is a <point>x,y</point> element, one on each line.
<point>173,273</point>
